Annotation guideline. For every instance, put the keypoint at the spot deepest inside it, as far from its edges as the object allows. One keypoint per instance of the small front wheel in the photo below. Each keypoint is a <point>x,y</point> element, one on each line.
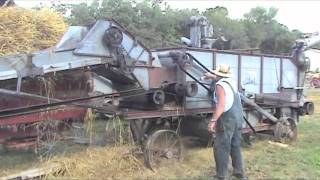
<point>285,131</point>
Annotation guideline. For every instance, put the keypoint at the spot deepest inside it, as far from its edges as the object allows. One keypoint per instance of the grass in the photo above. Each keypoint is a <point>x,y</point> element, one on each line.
<point>300,160</point>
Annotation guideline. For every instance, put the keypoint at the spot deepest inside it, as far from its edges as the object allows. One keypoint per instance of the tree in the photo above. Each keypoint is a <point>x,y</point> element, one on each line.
<point>231,29</point>
<point>266,33</point>
<point>146,20</point>
<point>161,26</point>
<point>261,15</point>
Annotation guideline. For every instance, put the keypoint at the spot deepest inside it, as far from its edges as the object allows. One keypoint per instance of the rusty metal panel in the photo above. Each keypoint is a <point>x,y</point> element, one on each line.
<point>160,75</point>
<point>163,69</point>
<point>251,73</point>
<point>271,75</point>
<point>59,114</point>
<point>289,75</point>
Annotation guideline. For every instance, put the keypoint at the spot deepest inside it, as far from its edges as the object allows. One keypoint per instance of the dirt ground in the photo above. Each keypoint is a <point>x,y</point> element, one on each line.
<point>264,160</point>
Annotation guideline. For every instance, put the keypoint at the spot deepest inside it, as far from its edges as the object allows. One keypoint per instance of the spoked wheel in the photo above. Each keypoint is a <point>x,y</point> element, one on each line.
<point>285,130</point>
<point>47,137</point>
<point>78,133</point>
<point>162,147</point>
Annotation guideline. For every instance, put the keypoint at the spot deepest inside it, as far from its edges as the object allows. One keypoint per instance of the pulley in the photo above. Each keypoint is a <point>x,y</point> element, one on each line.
<point>158,97</point>
<point>191,88</point>
<point>113,37</point>
<point>308,108</point>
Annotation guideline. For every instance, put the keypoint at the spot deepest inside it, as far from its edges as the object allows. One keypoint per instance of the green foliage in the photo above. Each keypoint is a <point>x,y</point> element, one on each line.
<point>229,28</point>
<point>158,25</point>
<point>266,33</point>
<point>260,15</point>
<point>154,27</point>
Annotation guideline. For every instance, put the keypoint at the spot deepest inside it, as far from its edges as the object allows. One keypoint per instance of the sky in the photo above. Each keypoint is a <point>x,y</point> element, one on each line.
<point>301,15</point>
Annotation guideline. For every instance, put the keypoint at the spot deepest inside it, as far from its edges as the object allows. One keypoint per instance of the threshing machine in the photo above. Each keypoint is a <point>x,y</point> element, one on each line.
<point>160,92</point>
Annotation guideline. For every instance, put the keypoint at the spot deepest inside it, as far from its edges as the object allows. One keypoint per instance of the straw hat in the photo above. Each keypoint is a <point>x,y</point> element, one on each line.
<point>223,71</point>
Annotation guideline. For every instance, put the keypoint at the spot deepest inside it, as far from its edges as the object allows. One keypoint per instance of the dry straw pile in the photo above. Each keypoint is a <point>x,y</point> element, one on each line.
<point>24,31</point>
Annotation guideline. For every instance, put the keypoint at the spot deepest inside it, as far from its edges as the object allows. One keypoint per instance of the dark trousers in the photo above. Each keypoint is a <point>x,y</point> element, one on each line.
<point>228,142</point>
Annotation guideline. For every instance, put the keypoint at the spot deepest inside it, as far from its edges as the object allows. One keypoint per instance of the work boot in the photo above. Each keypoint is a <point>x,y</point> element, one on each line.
<point>240,176</point>
<point>219,178</point>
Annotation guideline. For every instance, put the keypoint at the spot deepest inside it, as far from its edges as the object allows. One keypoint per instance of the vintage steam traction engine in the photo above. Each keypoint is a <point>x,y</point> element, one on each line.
<point>103,66</point>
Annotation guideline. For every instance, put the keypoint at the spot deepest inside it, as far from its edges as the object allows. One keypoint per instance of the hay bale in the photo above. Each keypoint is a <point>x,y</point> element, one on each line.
<point>106,163</point>
<point>25,31</point>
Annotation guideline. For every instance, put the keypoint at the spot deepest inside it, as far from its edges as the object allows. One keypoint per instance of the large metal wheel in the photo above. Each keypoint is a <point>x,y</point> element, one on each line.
<point>113,37</point>
<point>285,131</point>
<point>47,137</point>
<point>162,147</point>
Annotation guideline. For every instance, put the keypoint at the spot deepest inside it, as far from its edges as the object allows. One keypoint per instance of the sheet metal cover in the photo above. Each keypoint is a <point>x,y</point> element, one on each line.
<point>11,66</point>
<point>93,44</point>
<point>72,38</point>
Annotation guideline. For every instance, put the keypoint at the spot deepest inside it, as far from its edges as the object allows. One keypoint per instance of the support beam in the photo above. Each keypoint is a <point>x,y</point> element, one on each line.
<point>258,108</point>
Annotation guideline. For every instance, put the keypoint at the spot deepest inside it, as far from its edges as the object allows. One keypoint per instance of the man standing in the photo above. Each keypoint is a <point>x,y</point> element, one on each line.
<point>226,123</point>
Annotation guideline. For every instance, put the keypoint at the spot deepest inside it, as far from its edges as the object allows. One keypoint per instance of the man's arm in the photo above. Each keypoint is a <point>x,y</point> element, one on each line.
<point>209,75</point>
<point>221,95</point>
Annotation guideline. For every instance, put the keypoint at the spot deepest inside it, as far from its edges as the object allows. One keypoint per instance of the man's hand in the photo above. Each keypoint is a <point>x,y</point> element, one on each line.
<point>212,126</point>
<point>219,108</point>
<point>209,75</point>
